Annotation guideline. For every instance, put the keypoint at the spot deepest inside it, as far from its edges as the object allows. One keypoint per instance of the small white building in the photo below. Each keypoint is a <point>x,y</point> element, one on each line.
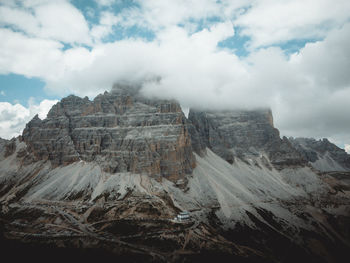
<point>183,216</point>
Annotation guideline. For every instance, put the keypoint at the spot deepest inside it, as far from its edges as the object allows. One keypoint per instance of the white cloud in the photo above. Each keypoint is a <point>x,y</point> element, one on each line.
<point>273,21</point>
<point>191,59</point>
<point>317,103</point>
<point>2,93</point>
<point>62,21</point>
<point>104,28</point>
<point>13,117</point>
<point>36,57</point>
<point>157,15</point>
<point>347,148</point>
<point>329,60</point>
<point>28,56</point>
<point>20,19</point>
<point>42,108</point>
<point>57,20</point>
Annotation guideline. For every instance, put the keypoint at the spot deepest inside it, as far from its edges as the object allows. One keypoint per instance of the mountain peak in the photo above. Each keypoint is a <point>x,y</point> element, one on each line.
<point>243,134</point>
<point>122,133</point>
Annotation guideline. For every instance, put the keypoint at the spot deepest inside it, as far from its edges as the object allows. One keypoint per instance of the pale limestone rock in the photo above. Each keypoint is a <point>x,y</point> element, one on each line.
<point>121,130</point>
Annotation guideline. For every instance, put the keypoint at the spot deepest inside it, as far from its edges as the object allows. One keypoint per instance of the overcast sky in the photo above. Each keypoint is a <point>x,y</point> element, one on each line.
<point>290,55</point>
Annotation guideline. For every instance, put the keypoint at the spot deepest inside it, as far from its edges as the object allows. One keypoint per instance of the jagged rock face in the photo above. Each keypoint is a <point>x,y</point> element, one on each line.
<point>10,147</point>
<point>7,147</point>
<point>243,134</point>
<point>3,143</point>
<point>122,131</point>
<point>322,151</point>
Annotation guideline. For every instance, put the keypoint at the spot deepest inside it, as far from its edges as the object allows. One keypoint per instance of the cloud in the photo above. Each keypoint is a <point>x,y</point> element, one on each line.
<point>104,28</point>
<point>272,21</point>
<point>13,117</point>
<point>56,20</point>
<point>347,148</point>
<point>32,57</point>
<point>318,101</point>
<point>157,15</point>
<point>36,57</point>
<point>174,55</point>
<point>329,60</point>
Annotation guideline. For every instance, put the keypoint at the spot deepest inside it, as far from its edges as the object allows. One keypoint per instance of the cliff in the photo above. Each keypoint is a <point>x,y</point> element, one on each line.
<point>120,130</point>
<point>322,154</point>
<point>244,134</point>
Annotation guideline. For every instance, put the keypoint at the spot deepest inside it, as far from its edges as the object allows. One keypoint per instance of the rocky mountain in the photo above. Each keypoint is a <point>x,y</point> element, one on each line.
<point>244,134</point>
<point>120,132</point>
<point>322,154</point>
<point>107,177</point>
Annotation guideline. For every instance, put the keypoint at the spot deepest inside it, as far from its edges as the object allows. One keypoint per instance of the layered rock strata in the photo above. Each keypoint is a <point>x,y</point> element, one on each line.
<point>244,134</point>
<point>322,154</point>
<point>120,130</point>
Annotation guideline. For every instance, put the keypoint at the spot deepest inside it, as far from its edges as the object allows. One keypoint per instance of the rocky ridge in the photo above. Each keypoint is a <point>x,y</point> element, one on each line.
<point>244,134</point>
<point>322,154</point>
<point>121,131</point>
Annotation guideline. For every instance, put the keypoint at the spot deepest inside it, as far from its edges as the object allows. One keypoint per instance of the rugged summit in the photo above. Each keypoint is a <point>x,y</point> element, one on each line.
<point>322,154</point>
<point>244,134</point>
<point>120,130</point>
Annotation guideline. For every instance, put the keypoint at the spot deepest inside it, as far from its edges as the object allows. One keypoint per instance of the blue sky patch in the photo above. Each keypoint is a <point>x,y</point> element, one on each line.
<point>295,45</point>
<point>18,89</point>
<point>120,33</point>
<point>237,43</point>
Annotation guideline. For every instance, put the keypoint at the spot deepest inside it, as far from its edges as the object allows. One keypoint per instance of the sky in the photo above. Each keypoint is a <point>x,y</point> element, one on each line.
<point>290,55</point>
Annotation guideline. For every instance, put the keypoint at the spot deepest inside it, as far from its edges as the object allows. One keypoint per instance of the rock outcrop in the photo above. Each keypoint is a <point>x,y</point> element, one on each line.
<point>322,154</point>
<point>244,134</point>
<point>121,131</point>
<point>7,147</point>
<point>3,142</point>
